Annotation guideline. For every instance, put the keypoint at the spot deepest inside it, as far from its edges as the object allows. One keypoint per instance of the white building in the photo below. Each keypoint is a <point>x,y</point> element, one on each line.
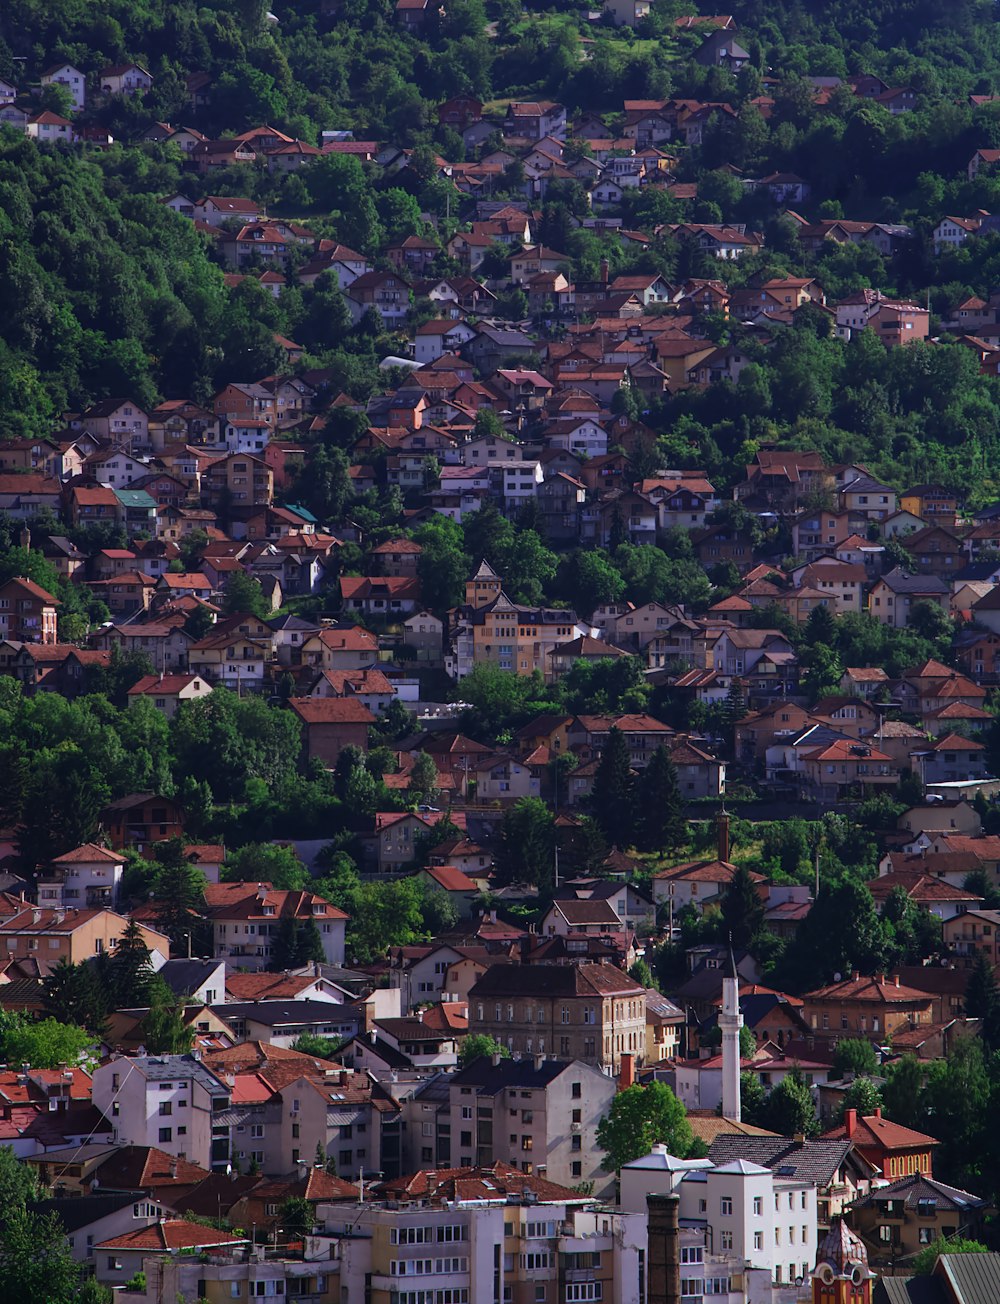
<point>520,484</point>
<point>745,1213</point>
<point>172,1102</point>
<point>64,74</point>
<point>87,876</point>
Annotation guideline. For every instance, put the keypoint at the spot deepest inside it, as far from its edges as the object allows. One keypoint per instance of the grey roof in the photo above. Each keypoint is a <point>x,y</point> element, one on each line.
<point>974,1278</point>
<point>161,1068</point>
<point>810,1161</point>
<point>918,1187</point>
<point>184,976</point>
<point>490,1078</point>
<point>901,581</point>
<point>910,1290</point>
<point>78,1211</point>
<point>273,1013</point>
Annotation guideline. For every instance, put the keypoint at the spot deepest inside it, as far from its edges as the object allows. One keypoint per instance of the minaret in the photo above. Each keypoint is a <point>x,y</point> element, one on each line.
<point>731,1021</point>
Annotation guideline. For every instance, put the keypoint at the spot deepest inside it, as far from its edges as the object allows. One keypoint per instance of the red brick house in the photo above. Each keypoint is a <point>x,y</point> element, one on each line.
<point>141,819</point>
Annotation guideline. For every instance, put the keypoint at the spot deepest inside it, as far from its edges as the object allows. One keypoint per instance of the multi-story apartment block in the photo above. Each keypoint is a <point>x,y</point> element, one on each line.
<point>86,876</point>
<point>485,1236</point>
<point>539,1115</point>
<point>739,1215</point>
<point>591,1012</point>
<point>173,1102</point>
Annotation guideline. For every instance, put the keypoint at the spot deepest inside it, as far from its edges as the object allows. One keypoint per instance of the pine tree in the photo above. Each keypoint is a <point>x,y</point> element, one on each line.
<point>613,796</point>
<point>660,822</point>
<point>982,1000</point>
<point>742,909</point>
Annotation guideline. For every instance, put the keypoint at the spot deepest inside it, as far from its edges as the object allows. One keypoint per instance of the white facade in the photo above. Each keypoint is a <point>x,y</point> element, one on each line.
<point>74,81</point>
<point>750,1215</point>
<point>520,483</point>
<point>167,1101</point>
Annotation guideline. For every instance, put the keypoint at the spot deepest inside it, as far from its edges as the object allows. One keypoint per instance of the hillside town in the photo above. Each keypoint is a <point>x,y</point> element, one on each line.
<point>487,760</point>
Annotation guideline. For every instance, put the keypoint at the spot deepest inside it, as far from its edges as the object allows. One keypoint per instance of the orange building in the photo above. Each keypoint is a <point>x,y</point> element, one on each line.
<point>896,1151</point>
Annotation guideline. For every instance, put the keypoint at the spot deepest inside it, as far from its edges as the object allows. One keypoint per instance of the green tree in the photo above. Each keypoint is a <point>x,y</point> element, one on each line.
<point>612,796</point>
<point>789,1109</point>
<point>423,778</point>
<point>922,1264</point>
<point>982,1000</point>
<point>324,1048</point>
<point>902,1091</point>
<point>242,594</point>
<point>130,969</point>
<point>267,862</point>
<point>478,1045</point>
<point>855,1056</point>
<point>179,893</point>
<point>526,853</point>
<point>742,909</point>
<point>660,822</point>
<point>863,1095</point>
<point>297,1218</point>
<point>640,1117</point>
<point>164,1029</point>
<point>35,1259</point>
<point>44,1044</point>
<point>297,943</point>
<point>73,993</point>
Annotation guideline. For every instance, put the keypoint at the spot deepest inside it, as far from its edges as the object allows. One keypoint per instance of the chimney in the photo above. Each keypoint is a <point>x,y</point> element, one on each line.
<point>850,1121</point>
<point>626,1073</point>
<point>664,1254</point>
<point>896,979</point>
<point>722,828</point>
<point>496,1057</point>
<point>173,1167</point>
<point>605,271</point>
<point>539,1061</point>
<point>878,1111</point>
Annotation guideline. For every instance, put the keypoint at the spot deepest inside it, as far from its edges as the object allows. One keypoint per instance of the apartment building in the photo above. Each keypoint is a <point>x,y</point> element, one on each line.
<point>741,1215</point>
<point>536,1114</point>
<point>173,1102</point>
<point>485,1236</point>
<point>248,917</point>
<point>591,1012</point>
<point>86,876</point>
<point>38,937</point>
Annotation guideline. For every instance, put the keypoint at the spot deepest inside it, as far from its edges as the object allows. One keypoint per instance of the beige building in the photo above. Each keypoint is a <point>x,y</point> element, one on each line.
<point>591,1012</point>
<point>37,937</point>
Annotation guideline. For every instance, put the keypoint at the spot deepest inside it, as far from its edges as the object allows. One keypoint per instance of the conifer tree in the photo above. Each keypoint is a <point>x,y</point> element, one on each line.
<point>612,798</point>
<point>660,822</point>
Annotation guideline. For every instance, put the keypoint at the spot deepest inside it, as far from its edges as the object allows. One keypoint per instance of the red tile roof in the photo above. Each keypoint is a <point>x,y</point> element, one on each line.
<point>172,1234</point>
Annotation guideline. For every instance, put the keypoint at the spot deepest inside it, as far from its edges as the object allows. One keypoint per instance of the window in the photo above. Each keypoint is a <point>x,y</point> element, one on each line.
<point>726,1206</point>
<point>726,1240</point>
<point>166,1134</point>
<point>758,1240</point>
<point>758,1206</point>
<point>166,1108</point>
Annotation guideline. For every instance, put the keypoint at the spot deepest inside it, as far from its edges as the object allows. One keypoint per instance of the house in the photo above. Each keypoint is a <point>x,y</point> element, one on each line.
<point>899,1220</point>
<point>627,13</point>
<point>140,819</point>
<point>246,917</point>
<point>694,883</point>
<point>896,1151</point>
<point>51,128</point>
<point>331,724</point>
<point>531,121</point>
<point>721,50</point>
<point>75,82</point>
<point>166,692</point>
<point>86,876</point>
<point>383,597</point>
<point>893,595</point>
<point>28,613</point>
<point>865,1007</point>
<point>592,1012</point>
<point>37,938</point>
<point>125,79</point>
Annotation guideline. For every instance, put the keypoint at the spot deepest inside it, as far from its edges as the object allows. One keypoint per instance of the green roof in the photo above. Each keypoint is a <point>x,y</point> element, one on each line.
<point>135,498</point>
<point>304,512</point>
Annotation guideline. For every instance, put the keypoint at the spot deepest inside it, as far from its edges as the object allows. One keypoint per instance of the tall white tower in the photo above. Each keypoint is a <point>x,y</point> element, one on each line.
<point>731,1021</point>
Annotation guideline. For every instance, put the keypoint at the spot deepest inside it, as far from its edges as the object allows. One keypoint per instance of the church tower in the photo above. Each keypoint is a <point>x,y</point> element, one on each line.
<point>731,1021</point>
<point>842,1275</point>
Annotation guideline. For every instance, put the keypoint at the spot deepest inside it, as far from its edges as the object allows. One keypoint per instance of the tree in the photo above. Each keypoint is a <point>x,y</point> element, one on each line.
<point>862,1095</point>
<point>297,943</point>
<point>902,1091</point>
<point>242,594</point>
<point>611,799</point>
<point>789,1109</point>
<point>73,993</point>
<point>164,1029</point>
<point>660,822</point>
<point>478,1045</point>
<point>267,862</point>
<point>44,1044</point>
<point>35,1259</point>
<point>131,970</point>
<point>922,1264</point>
<point>179,893</point>
<point>742,909</point>
<point>423,778</point>
<point>310,1043</point>
<point>982,1000</point>
<point>298,1218</point>
<point>527,844</point>
<point>639,1118</point>
<point>856,1057</point>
